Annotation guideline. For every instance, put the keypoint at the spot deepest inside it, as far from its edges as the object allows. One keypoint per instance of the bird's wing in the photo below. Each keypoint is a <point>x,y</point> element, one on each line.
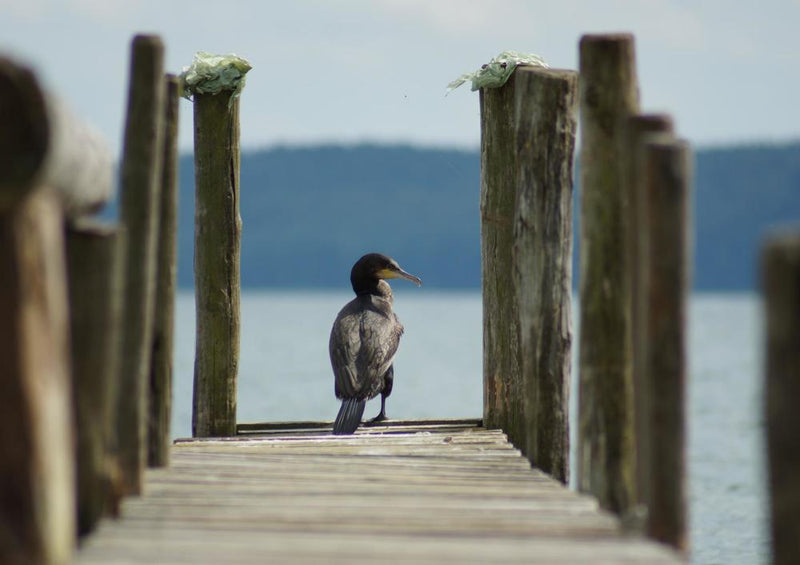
<point>344,344</point>
<point>363,344</point>
<point>380,337</point>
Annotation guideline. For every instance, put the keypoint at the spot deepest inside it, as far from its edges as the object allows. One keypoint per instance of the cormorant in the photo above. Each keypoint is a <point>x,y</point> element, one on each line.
<point>364,340</point>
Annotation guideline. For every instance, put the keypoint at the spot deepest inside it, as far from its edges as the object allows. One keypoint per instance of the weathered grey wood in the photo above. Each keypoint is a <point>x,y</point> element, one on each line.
<point>43,144</point>
<point>410,497</point>
<point>94,269</point>
<point>545,109</point>
<point>141,173</point>
<point>37,512</point>
<point>306,427</point>
<point>217,243</point>
<point>638,127</point>
<point>667,178</point>
<point>781,288</point>
<point>608,96</point>
<point>163,332</point>
<point>503,391</point>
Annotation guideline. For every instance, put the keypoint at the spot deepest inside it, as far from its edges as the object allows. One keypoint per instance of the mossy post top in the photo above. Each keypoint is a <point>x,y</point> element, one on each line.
<point>212,74</point>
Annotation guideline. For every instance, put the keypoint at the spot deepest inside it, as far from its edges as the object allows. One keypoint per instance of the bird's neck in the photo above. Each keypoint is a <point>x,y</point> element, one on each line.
<point>374,287</point>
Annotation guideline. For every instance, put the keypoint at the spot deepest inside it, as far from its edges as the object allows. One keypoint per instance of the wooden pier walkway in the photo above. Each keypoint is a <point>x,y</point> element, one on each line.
<point>406,492</point>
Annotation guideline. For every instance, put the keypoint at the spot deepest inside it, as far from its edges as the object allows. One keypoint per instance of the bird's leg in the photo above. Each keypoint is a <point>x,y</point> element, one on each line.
<point>382,414</point>
<point>388,382</point>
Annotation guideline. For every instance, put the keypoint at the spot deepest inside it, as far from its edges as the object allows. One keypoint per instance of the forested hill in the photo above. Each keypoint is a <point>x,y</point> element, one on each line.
<point>308,213</point>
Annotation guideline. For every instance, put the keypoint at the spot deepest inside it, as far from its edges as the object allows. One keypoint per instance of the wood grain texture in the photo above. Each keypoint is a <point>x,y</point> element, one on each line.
<point>95,296</point>
<point>37,505</point>
<point>503,391</point>
<point>545,110</point>
<point>217,241</point>
<point>379,496</point>
<point>667,178</point>
<point>140,175</point>
<point>160,405</point>
<point>639,127</point>
<point>608,96</point>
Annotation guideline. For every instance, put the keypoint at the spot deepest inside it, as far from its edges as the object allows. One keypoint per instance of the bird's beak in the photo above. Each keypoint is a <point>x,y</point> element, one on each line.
<point>399,274</point>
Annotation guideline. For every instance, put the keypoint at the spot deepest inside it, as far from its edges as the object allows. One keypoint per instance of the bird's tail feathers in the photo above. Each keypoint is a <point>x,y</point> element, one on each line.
<point>349,416</point>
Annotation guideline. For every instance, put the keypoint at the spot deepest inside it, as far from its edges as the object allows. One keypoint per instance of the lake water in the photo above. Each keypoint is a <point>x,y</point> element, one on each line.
<point>285,375</point>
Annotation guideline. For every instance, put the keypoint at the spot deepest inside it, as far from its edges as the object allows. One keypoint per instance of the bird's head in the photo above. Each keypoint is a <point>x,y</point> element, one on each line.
<point>374,267</point>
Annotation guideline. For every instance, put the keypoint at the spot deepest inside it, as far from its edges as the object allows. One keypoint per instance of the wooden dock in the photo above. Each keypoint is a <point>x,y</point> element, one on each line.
<point>406,492</point>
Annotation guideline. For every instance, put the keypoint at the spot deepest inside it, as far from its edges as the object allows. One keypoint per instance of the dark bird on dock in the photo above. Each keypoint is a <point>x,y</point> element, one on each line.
<point>364,340</point>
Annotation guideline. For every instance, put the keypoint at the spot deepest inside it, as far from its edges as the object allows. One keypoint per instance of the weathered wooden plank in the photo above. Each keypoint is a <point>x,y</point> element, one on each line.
<point>406,434</point>
<point>333,516</point>
<point>149,545</point>
<point>286,428</point>
<point>324,499</point>
<point>236,548</point>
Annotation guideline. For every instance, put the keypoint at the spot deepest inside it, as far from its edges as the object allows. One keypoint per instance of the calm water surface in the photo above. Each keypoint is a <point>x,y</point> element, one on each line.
<point>285,375</point>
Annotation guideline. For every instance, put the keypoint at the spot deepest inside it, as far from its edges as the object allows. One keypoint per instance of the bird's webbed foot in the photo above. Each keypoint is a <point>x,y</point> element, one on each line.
<point>386,391</point>
<point>379,418</point>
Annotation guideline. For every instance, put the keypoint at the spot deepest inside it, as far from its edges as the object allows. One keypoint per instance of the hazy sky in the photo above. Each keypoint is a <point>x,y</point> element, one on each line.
<point>359,70</point>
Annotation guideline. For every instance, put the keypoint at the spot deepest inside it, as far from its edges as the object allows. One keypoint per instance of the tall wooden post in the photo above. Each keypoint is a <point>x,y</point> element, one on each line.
<point>217,255</point>
<point>608,96</point>
<point>638,128</point>
<point>667,179</point>
<point>158,441</point>
<point>503,391</point>
<point>140,175</point>
<point>95,297</point>
<point>545,112</point>
<point>37,456</point>
<point>52,165</point>
<point>781,287</point>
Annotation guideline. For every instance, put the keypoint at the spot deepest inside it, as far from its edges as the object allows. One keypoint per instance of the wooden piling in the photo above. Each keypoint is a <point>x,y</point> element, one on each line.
<point>161,361</point>
<point>217,256</point>
<point>666,173</point>
<point>36,425</point>
<point>43,144</point>
<point>608,96</point>
<point>94,269</point>
<point>545,112</point>
<point>781,288</point>
<point>638,128</point>
<point>503,391</point>
<point>140,174</point>
<point>52,165</point>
